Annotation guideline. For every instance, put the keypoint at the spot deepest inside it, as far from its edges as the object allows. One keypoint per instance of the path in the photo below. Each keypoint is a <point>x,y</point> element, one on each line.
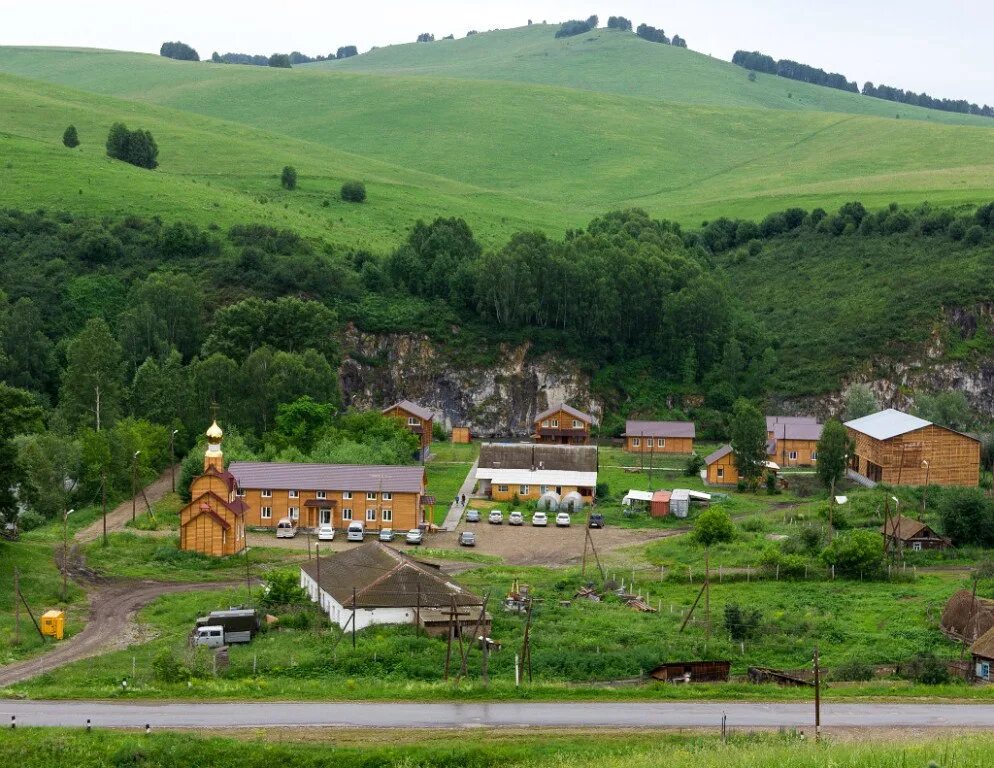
<point>121,514</point>
<point>466,489</point>
<point>571,714</point>
<point>110,625</point>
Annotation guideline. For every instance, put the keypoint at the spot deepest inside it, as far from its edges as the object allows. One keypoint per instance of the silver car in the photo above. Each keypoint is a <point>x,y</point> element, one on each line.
<point>414,536</point>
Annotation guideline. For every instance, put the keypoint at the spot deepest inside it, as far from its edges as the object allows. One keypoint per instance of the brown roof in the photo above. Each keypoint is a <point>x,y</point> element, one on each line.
<point>719,454</point>
<point>328,477</point>
<point>412,408</point>
<point>659,429</point>
<point>903,528</point>
<point>382,577</point>
<point>984,646</point>
<point>224,476</point>
<point>552,409</point>
<point>772,421</point>
<point>569,458</point>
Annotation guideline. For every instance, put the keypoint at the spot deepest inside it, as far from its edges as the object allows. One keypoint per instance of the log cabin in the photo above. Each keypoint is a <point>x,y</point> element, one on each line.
<point>213,523</point>
<point>564,425</point>
<point>418,419</point>
<point>530,472</point>
<point>902,532</point>
<point>793,440</point>
<point>720,467</point>
<point>332,494</point>
<point>900,449</point>
<point>659,436</point>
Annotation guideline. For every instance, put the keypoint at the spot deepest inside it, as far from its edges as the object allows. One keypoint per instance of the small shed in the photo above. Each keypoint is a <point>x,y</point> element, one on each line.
<point>660,504</point>
<point>461,435</point>
<point>906,532</point>
<point>637,498</point>
<point>692,671</point>
<point>680,502</point>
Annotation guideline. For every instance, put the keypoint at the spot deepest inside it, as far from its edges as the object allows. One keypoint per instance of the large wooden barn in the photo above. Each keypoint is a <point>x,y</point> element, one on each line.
<point>659,436</point>
<point>899,449</point>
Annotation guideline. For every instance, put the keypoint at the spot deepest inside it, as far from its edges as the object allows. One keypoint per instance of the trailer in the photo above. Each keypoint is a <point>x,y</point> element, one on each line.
<point>239,624</point>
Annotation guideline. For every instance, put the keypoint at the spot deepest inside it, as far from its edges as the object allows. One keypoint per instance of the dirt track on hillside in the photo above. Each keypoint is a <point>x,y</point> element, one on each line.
<point>121,514</point>
<point>110,625</point>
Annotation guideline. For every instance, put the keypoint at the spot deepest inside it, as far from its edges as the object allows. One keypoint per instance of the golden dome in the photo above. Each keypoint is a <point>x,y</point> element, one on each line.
<point>214,433</point>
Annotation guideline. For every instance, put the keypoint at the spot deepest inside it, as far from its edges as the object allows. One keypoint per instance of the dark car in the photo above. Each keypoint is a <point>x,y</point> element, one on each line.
<point>597,520</point>
<point>467,539</point>
<point>472,515</point>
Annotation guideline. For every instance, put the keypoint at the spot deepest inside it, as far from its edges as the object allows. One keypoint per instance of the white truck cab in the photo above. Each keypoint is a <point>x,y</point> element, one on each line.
<point>209,637</point>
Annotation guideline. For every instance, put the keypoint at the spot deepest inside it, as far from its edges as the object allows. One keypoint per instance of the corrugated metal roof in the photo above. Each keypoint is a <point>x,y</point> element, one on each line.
<point>884,425</point>
<point>573,458</point>
<point>538,477</point>
<point>659,429</point>
<point>800,430</point>
<point>772,421</point>
<point>328,477</point>
<point>567,409</point>
<point>634,495</point>
<point>719,454</point>
<point>412,408</point>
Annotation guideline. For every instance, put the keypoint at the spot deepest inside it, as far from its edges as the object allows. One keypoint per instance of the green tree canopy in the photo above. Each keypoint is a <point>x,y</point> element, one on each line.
<point>947,409</point>
<point>713,526</point>
<point>91,391</point>
<point>855,553</point>
<point>70,137</point>
<point>834,448</point>
<point>749,440</point>
<point>860,402</point>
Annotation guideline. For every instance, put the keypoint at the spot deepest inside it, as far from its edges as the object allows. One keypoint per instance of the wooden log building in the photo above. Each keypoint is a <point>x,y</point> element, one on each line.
<point>793,440</point>
<point>528,471</point>
<point>902,532</point>
<point>659,436</point>
<point>899,449</point>
<point>418,419</point>
<point>562,424</point>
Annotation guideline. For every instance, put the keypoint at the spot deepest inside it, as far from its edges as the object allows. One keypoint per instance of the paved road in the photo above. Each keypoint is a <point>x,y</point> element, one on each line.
<point>435,715</point>
<point>466,489</point>
<point>110,625</point>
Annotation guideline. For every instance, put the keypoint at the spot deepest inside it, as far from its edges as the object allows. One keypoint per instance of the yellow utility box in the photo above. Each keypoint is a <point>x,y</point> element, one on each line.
<point>53,624</point>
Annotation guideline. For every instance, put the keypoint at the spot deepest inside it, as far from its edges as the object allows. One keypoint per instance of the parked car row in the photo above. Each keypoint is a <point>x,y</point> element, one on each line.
<point>356,531</point>
<point>539,519</point>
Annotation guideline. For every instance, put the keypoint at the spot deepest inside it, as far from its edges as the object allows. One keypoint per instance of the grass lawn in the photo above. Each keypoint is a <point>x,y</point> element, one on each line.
<point>164,517</point>
<point>42,748</point>
<point>447,471</point>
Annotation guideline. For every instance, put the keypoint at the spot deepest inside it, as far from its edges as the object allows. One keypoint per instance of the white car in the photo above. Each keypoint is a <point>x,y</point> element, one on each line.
<point>515,518</point>
<point>496,517</point>
<point>540,519</point>
<point>414,536</point>
<point>562,520</point>
<point>286,529</point>
<point>326,533</point>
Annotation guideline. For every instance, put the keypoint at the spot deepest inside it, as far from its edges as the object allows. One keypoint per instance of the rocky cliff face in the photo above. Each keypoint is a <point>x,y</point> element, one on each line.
<point>958,357</point>
<point>499,400</point>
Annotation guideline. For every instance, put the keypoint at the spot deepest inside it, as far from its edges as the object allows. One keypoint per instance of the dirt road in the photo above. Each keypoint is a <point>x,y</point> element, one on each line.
<point>119,516</point>
<point>110,625</point>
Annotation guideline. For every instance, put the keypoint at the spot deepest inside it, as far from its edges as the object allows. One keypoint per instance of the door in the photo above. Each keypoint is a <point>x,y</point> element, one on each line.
<point>985,670</point>
<point>324,516</point>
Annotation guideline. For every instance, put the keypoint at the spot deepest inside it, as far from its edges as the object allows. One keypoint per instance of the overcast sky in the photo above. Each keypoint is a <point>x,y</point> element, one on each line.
<point>943,48</point>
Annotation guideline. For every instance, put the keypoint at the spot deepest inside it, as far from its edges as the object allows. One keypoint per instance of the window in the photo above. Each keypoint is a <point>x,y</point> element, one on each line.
<point>792,455</point>
<point>502,488</point>
<point>266,493</point>
<point>544,489</point>
<point>386,496</point>
<point>636,442</point>
<point>577,424</point>
<point>387,515</point>
<point>294,513</point>
<point>293,494</point>
<point>648,442</point>
<point>240,492</point>
<point>370,495</point>
<point>322,494</point>
<point>267,513</point>
<point>545,423</point>
<point>346,514</point>
<point>346,494</point>
<point>985,670</point>
<point>814,455</point>
<point>721,473</point>
<point>371,514</point>
<point>916,546</point>
<point>660,442</point>
<point>413,421</point>
<point>522,490</point>
<point>555,423</point>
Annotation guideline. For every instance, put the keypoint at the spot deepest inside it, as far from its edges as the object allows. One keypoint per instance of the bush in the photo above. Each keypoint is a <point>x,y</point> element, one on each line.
<point>784,565</point>
<point>741,623</point>
<point>925,668</point>
<point>974,235</point>
<point>859,553</point>
<point>29,520</point>
<point>280,61</point>
<point>135,147</point>
<point>603,490</point>
<point>694,465</point>
<point>282,589</point>
<point>167,668</point>
<point>289,177</point>
<point>70,138</point>
<point>713,526</point>
<point>354,192</point>
<point>967,516</point>
<point>853,670</point>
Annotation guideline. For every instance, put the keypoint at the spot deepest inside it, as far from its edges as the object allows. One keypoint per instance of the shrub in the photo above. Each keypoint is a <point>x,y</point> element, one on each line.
<point>694,465</point>
<point>925,668</point>
<point>29,520</point>
<point>741,623</point>
<point>289,177</point>
<point>135,147</point>
<point>282,589</point>
<point>853,670</point>
<point>967,516</point>
<point>974,235</point>
<point>603,490</point>
<point>168,669</point>
<point>354,192</point>
<point>70,138</point>
<point>784,565</point>
<point>713,526</point>
<point>857,553</point>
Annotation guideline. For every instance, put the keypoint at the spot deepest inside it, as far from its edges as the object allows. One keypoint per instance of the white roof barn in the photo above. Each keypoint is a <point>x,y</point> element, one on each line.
<point>884,425</point>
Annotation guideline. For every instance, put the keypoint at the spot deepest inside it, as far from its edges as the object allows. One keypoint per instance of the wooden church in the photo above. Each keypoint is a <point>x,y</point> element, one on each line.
<point>213,523</point>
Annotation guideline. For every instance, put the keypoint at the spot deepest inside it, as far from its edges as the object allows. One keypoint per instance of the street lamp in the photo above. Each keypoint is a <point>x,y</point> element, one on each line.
<point>65,555</point>
<point>925,489</point>
<point>172,456</point>
<point>134,485</point>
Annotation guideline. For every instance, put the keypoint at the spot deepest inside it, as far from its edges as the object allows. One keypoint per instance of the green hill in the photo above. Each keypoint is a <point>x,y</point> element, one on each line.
<point>610,61</point>
<point>547,158</point>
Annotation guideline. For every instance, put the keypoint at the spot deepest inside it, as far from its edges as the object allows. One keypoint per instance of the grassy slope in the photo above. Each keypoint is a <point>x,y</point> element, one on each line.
<point>618,62</point>
<point>548,158</point>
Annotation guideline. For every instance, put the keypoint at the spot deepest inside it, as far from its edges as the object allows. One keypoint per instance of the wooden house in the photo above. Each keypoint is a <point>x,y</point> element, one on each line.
<point>375,584</point>
<point>793,440</point>
<point>902,532</point>
<point>531,472</point>
<point>692,671</point>
<point>336,494</point>
<point>982,654</point>
<point>418,419</point>
<point>899,449</point>
<point>720,467</point>
<point>659,436</point>
<point>461,435</point>
<point>213,523</point>
<point>564,425</point>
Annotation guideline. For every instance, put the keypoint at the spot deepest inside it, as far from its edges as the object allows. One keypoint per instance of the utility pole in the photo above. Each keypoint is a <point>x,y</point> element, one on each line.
<point>926,467</point>
<point>353,615</point>
<point>103,499</point>
<point>134,485</point>
<point>65,555</point>
<point>172,457</point>
<point>817,696</point>
<point>417,612</point>
<point>248,578</point>
<point>707,589</point>
<point>17,607</point>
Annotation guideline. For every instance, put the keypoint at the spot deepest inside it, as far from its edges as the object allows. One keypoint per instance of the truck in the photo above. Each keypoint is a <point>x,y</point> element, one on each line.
<point>236,625</point>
